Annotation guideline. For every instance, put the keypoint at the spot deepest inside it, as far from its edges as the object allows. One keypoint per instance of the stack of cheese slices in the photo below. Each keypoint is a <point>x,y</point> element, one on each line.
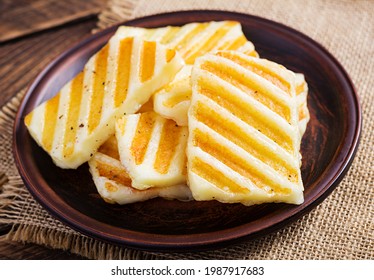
<point>183,113</point>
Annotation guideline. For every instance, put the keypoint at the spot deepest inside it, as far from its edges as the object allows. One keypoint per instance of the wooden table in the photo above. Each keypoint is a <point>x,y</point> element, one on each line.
<point>32,33</point>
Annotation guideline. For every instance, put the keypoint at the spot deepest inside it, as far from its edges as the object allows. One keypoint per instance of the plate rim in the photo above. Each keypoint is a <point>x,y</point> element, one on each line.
<point>161,242</point>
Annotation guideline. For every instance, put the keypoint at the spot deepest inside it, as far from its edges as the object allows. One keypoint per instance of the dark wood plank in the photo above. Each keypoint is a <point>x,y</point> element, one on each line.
<point>21,60</point>
<point>22,17</point>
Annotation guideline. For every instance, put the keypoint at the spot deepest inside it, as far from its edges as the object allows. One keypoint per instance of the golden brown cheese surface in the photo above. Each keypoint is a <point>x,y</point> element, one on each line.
<point>195,39</point>
<point>114,184</point>
<point>243,129</point>
<point>152,149</point>
<point>118,79</point>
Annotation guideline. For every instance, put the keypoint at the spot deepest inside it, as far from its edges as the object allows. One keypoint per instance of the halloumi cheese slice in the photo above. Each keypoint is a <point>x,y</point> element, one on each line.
<point>114,184</point>
<point>116,80</point>
<point>191,40</point>
<point>152,149</point>
<point>173,100</point>
<point>244,140</point>
<point>195,39</point>
<point>302,103</point>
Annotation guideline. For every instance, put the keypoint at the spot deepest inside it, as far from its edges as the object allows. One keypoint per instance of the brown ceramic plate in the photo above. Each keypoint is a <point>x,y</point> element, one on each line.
<point>328,148</point>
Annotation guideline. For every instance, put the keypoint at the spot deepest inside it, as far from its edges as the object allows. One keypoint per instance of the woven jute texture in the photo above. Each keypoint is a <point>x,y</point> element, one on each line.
<point>342,227</point>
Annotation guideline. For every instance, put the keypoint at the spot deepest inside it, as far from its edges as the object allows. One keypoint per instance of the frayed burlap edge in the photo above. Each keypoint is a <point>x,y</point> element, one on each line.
<point>10,191</point>
<point>76,244</point>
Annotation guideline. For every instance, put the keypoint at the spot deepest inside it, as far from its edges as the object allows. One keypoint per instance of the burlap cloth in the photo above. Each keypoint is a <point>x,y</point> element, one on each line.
<point>342,227</point>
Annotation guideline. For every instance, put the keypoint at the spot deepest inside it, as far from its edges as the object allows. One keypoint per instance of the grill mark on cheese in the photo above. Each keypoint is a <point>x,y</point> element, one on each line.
<point>28,118</point>
<point>96,105</point>
<point>236,163</point>
<point>182,45</point>
<point>300,88</point>
<point>251,53</point>
<point>74,106</point>
<point>209,44</point>
<point>110,148</point>
<point>123,71</point>
<point>146,107</point>
<point>110,187</point>
<point>170,53</point>
<point>302,111</point>
<point>177,98</point>
<point>239,42</point>
<point>142,137</point>
<point>248,86</point>
<point>259,69</point>
<point>234,133</point>
<point>50,120</point>
<point>169,140</point>
<point>216,177</point>
<point>238,108</point>
<point>178,84</point>
<point>122,124</point>
<point>113,173</point>
<point>177,93</point>
<point>147,61</point>
<point>225,45</point>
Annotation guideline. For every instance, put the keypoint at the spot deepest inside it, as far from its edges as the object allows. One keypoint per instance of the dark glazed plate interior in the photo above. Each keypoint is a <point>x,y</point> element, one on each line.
<point>328,148</point>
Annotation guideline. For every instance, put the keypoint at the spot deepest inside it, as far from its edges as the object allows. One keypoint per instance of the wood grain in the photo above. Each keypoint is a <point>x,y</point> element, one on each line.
<point>22,60</point>
<point>22,17</point>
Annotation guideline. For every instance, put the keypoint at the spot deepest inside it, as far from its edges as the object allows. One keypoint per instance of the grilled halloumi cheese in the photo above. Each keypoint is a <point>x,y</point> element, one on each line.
<point>191,40</point>
<point>195,39</point>
<point>173,100</point>
<point>114,184</point>
<point>118,79</point>
<point>244,140</point>
<point>302,104</point>
<point>152,149</point>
